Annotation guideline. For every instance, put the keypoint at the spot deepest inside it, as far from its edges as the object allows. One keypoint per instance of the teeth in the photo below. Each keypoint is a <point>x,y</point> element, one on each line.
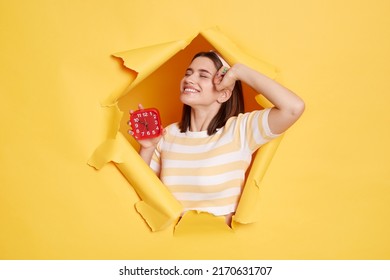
<point>190,90</point>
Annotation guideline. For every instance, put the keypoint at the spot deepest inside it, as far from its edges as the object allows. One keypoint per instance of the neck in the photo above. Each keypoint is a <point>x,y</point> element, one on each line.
<point>201,119</point>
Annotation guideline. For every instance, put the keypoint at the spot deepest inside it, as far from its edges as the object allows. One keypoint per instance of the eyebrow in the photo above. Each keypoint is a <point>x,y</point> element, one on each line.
<point>200,70</point>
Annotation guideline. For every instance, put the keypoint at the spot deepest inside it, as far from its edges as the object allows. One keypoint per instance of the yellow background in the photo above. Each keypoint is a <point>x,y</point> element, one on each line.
<point>326,194</point>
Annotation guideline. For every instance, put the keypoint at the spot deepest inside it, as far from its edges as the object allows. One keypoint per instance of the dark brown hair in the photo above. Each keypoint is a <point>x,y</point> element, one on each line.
<point>232,107</point>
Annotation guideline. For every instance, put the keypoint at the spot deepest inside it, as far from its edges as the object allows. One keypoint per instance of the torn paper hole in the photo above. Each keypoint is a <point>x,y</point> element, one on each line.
<point>159,69</point>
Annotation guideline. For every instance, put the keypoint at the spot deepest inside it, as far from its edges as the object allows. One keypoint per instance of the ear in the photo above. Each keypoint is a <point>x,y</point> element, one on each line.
<point>224,95</point>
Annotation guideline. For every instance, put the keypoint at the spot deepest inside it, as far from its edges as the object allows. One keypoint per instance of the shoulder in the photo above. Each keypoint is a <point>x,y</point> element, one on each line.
<point>252,121</point>
<point>172,132</point>
<point>173,128</point>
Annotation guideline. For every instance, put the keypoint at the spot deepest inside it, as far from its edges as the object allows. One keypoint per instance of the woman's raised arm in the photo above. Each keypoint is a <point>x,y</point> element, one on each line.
<point>288,107</point>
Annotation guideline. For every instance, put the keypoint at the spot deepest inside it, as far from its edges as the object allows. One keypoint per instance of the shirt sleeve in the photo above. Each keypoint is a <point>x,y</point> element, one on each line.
<point>255,129</point>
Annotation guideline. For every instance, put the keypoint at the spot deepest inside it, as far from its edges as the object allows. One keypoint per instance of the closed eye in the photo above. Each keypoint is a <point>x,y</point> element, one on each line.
<point>204,73</point>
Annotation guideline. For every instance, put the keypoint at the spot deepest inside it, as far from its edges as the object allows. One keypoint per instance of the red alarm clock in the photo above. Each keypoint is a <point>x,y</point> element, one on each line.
<point>145,123</point>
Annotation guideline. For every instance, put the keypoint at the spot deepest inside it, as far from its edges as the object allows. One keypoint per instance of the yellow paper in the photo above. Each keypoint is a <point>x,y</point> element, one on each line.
<point>195,223</point>
<point>158,207</point>
<point>325,195</point>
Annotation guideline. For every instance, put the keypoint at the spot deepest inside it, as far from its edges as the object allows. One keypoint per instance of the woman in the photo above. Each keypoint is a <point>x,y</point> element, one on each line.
<point>203,159</point>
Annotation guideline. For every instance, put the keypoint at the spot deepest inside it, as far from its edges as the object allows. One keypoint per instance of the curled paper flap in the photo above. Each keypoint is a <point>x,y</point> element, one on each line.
<point>155,219</point>
<point>250,196</point>
<point>144,61</point>
<point>159,208</point>
<point>195,223</point>
<point>106,152</point>
<point>233,54</point>
<point>113,116</point>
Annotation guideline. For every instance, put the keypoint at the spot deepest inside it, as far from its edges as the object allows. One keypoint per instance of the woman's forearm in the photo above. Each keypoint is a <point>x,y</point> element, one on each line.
<point>146,154</point>
<point>288,106</point>
<point>281,97</point>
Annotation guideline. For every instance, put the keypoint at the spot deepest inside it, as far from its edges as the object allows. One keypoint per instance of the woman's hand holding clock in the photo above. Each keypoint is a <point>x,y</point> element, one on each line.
<point>146,127</point>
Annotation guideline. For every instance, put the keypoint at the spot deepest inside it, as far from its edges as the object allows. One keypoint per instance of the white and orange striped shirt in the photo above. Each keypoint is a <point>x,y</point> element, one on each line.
<point>207,173</point>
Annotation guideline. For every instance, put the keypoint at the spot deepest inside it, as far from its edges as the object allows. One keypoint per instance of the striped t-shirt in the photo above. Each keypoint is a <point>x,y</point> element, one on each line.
<point>207,173</point>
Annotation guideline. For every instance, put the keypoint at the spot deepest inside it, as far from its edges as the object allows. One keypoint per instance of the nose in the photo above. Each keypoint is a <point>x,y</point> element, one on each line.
<point>189,78</point>
<point>189,81</point>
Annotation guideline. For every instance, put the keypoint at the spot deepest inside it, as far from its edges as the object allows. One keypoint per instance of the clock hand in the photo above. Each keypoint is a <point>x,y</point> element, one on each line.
<point>144,123</point>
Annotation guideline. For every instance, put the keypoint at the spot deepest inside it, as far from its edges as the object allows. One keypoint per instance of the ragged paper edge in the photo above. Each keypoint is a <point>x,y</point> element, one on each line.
<point>233,54</point>
<point>250,198</point>
<point>145,61</point>
<point>158,206</point>
<point>197,222</point>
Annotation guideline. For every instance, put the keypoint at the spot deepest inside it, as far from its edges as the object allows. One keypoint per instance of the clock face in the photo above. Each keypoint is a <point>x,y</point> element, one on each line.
<point>145,123</point>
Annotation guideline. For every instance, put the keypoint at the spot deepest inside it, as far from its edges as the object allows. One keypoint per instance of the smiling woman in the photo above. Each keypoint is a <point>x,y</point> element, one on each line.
<point>204,158</point>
